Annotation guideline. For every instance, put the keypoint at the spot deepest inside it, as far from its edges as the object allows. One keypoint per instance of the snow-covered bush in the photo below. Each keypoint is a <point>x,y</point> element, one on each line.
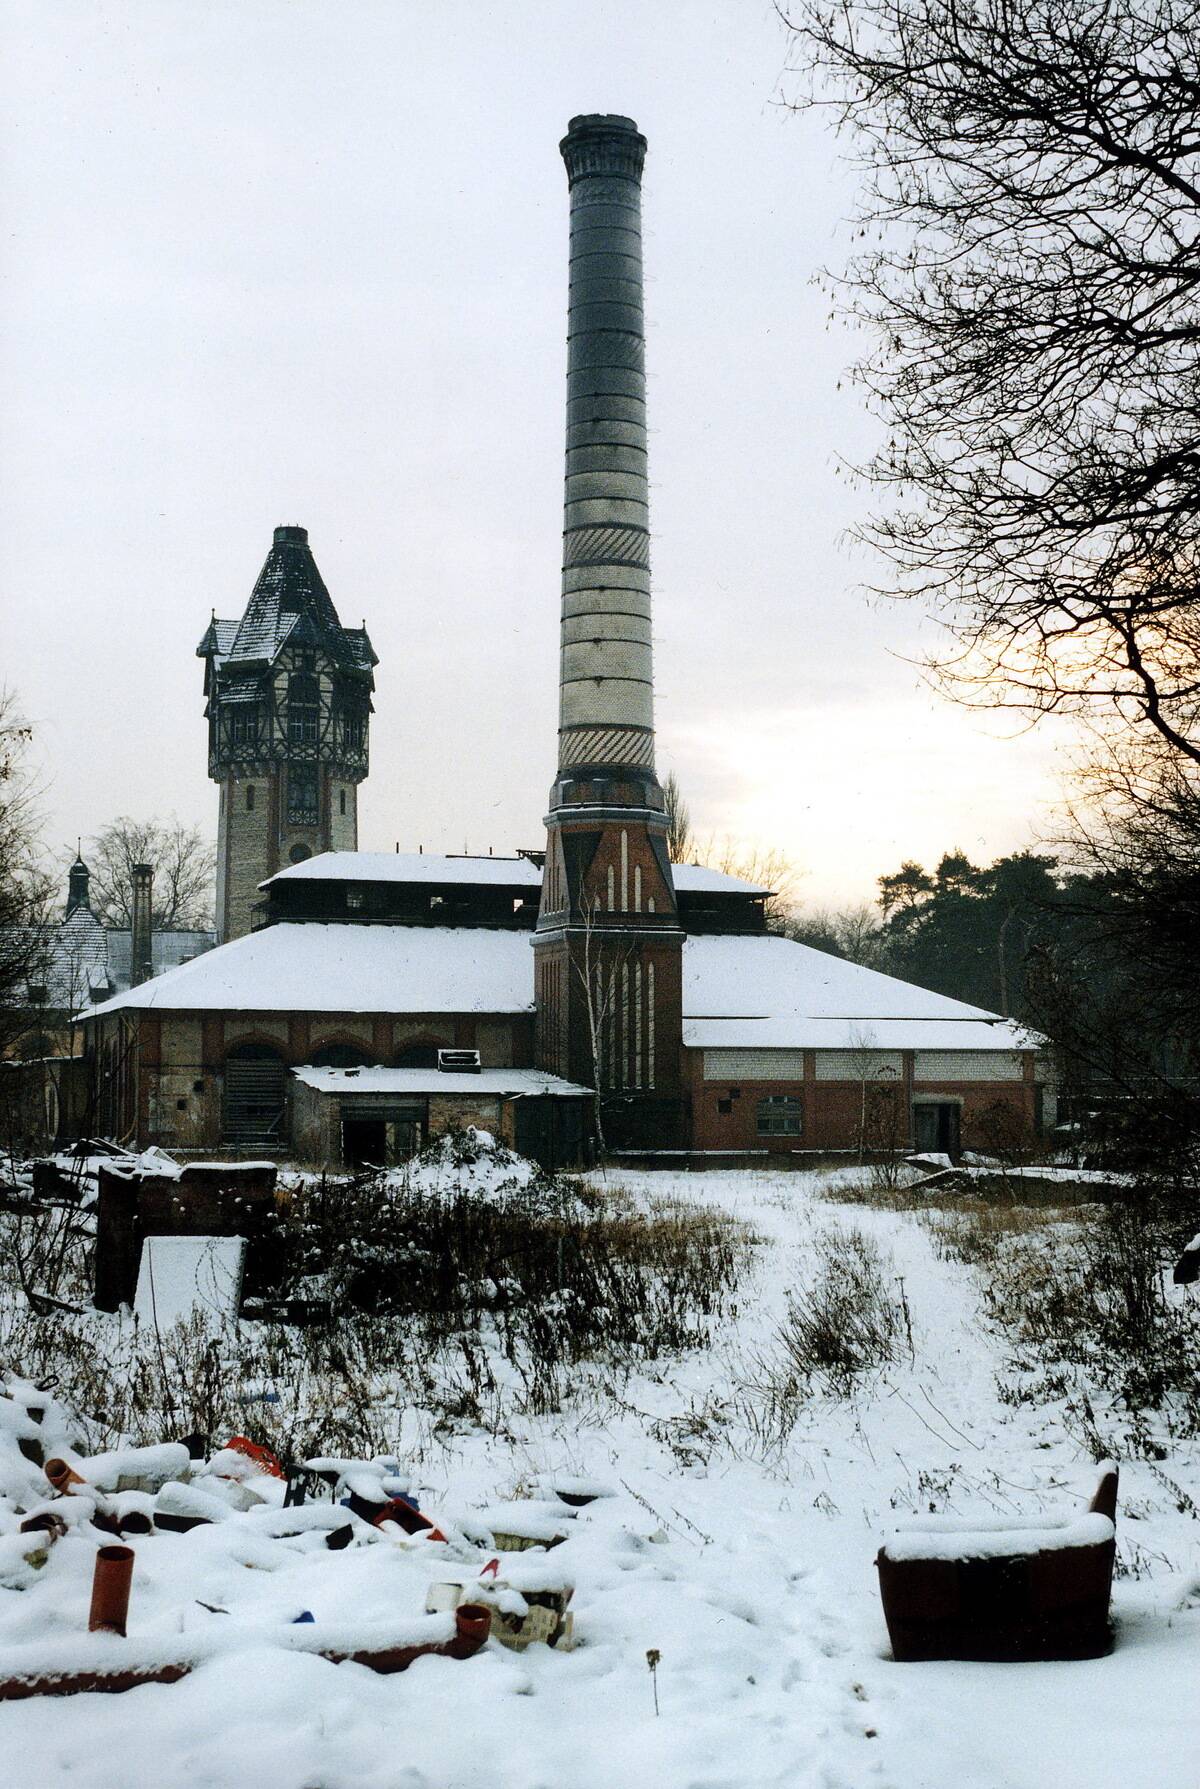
<point>1100,1301</point>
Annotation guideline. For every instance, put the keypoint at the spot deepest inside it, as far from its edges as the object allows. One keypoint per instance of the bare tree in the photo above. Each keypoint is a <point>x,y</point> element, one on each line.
<point>761,865</point>
<point>25,935</point>
<point>854,932</point>
<point>1031,276</point>
<point>184,865</point>
<point>600,975</point>
<point>679,821</point>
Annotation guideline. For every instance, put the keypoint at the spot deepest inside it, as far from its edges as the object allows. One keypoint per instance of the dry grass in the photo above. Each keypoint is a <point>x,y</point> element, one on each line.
<point>974,1231</point>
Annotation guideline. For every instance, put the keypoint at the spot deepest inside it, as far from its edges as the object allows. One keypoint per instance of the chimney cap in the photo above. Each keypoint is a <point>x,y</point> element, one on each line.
<point>603,143</point>
<point>291,535</point>
<point>606,121</point>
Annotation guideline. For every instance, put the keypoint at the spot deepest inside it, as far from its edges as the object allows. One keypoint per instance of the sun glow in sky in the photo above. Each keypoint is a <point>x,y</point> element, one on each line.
<point>280,261</point>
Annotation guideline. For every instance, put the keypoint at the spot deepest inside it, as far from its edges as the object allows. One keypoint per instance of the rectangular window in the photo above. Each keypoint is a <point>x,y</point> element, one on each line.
<point>303,708</point>
<point>779,1115</point>
<point>243,724</point>
<point>303,805</point>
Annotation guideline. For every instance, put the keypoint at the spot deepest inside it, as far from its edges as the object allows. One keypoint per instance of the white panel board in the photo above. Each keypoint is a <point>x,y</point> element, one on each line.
<point>181,1275</point>
<point>967,1065</point>
<point>753,1065</point>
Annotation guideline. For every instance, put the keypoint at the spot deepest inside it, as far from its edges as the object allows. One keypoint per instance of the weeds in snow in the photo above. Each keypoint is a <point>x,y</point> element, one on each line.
<point>1082,1295</point>
<point>470,1289</point>
<point>846,1317</point>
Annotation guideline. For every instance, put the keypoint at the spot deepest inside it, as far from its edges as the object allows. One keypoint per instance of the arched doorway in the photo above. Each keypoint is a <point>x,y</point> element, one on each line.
<point>255,1097</point>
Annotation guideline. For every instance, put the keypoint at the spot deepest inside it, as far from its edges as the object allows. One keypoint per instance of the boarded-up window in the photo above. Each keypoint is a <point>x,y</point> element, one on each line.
<point>255,1096</point>
<point>779,1115</point>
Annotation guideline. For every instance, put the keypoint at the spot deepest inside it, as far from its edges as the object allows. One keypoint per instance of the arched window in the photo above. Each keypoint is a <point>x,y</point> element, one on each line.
<point>254,1096</point>
<point>779,1115</point>
<point>341,1056</point>
<point>417,1056</point>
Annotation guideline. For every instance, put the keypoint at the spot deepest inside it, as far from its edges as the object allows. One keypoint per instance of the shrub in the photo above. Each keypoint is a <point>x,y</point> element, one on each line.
<point>1098,1302</point>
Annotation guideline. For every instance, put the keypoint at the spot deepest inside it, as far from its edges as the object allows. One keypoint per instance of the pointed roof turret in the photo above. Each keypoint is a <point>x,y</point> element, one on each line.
<point>289,602</point>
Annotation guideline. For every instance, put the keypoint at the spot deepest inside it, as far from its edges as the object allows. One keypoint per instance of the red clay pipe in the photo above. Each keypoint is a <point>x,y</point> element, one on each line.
<point>1104,1502</point>
<point>469,1637</point>
<point>62,1476</point>
<point>110,1590</point>
<point>473,1624</point>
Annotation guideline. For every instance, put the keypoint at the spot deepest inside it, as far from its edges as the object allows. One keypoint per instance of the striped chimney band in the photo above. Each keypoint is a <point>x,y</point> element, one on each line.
<point>606,707</point>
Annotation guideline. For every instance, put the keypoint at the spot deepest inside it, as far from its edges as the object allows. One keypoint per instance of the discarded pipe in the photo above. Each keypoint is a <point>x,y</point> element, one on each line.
<point>45,1522</point>
<point>110,1590</point>
<point>63,1476</point>
<point>37,1677</point>
<point>473,1622</point>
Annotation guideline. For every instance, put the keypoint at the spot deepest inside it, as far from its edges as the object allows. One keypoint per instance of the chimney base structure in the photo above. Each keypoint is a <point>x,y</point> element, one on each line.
<point>608,945</point>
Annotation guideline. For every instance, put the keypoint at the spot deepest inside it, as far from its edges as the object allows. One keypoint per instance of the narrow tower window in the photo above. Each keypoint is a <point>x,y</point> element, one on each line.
<point>249,798</point>
<point>303,807</point>
<point>304,708</point>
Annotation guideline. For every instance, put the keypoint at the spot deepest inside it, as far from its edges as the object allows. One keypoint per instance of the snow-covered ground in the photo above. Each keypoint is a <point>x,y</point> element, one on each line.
<point>748,1568</point>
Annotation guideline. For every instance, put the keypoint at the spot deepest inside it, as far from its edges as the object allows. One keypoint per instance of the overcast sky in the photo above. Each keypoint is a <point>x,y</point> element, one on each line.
<point>305,261</point>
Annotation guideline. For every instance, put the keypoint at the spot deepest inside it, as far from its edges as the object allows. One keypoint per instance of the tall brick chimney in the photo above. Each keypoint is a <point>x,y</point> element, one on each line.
<point>608,948</point>
<point>141,952</point>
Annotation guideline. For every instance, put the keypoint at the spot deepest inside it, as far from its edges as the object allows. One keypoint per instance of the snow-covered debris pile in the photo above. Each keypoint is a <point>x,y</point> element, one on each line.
<point>197,1522</point>
<point>471,1162</point>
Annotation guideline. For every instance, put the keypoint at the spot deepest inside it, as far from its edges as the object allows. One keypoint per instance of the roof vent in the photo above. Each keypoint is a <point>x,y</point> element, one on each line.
<point>459,1062</point>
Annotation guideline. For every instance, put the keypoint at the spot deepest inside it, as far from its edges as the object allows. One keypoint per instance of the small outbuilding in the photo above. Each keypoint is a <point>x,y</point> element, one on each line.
<point>357,1117</point>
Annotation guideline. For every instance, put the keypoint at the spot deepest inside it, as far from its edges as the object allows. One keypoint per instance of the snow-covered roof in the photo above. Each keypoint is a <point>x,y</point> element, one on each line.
<point>347,969</point>
<point>429,866</point>
<point>767,992</point>
<point>410,866</point>
<point>796,1031</point>
<point>413,1081</point>
<point>739,992</point>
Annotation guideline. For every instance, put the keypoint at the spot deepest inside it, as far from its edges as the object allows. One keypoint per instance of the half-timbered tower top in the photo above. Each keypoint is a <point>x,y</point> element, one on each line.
<point>288,692</point>
<point>289,605</point>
